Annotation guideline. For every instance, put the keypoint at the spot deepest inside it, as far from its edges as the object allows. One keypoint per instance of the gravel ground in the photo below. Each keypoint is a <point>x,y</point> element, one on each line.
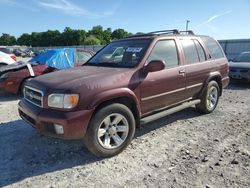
<point>185,149</point>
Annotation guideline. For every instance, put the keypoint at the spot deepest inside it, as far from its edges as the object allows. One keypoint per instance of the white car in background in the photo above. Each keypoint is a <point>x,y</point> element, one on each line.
<point>6,59</point>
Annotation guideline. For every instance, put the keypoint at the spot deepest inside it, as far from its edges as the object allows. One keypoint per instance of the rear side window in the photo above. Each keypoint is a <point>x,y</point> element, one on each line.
<point>165,50</point>
<point>190,51</point>
<point>200,50</point>
<point>213,47</point>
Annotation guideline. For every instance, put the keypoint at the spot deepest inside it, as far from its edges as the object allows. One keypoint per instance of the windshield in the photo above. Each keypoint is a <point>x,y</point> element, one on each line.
<point>121,54</point>
<point>243,57</point>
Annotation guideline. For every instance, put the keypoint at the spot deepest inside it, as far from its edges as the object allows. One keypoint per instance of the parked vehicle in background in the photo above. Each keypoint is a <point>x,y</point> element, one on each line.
<point>24,52</point>
<point>38,51</point>
<point>18,52</point>
<point>14,77</point>
<point>28,53</point>
<point>239,68</point>
<point>9,52</point>
<point>6,59</point>
<point>137,79</point>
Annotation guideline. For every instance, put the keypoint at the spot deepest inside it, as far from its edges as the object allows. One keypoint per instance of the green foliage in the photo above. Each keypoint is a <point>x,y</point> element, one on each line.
<point>7,40</point>
<point>69,37</point>
<point>24,39</point>
<point>119,34</point>
<point>92,40</point>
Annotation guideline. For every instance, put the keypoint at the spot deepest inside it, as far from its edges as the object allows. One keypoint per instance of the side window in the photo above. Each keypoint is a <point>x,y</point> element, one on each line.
<point>83,57</point>
<point>200,50</point>
<point>213,47</point>
<point>190,51</point>
<point>165,50</point>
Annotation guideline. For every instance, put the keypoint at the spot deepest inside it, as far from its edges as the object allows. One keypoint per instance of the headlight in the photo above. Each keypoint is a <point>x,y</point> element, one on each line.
<point>66,101</point>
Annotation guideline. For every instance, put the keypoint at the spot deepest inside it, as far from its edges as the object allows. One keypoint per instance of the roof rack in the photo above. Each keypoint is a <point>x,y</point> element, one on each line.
<point>163,32</point>
<point>174,31</point>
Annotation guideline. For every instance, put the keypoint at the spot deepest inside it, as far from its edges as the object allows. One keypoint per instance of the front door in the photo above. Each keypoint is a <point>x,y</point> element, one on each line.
<point>163,88</point>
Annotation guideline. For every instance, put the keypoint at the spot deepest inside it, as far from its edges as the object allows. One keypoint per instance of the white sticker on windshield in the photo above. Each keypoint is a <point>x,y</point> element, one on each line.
<point>133,49</point>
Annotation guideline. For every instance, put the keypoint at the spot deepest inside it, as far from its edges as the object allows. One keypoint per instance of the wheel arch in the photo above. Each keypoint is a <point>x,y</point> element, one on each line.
<point>215,76</point>
<point>123,96</point>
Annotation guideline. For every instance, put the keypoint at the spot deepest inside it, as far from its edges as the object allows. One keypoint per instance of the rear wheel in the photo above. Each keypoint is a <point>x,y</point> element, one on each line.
<point>210,98</point>
<point>110,130</point>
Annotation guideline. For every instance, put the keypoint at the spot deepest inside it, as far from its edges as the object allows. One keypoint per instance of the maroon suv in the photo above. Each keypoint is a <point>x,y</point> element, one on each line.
<point>137,79</point>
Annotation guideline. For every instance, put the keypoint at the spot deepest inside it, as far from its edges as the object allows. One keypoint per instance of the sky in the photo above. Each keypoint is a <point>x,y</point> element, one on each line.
<point>221,19</point>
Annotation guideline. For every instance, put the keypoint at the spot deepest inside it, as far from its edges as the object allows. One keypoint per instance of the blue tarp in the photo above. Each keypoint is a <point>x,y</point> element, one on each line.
<point>57,58</point>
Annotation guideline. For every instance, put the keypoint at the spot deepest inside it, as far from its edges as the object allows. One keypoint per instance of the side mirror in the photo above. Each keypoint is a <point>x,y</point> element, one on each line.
<point>154,66</point>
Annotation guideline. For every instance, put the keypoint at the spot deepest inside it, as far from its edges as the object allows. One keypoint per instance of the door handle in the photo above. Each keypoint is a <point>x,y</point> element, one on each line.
<point>182,71</point>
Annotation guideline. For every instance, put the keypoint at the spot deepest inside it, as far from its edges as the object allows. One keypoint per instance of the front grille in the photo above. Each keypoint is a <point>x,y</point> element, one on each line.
<point>34,96</point>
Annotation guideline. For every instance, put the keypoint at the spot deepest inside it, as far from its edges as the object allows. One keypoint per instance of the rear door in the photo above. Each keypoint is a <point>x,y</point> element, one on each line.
<point>166,87</point>
<point>197,65</point>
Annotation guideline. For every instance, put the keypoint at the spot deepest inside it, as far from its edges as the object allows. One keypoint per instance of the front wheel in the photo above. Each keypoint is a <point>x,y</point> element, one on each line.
<point>110,131</point>
<point>210,98</point>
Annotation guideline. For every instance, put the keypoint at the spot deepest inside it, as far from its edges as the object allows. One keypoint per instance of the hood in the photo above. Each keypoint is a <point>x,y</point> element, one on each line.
<point>82,78</point>
<point>239,64</point>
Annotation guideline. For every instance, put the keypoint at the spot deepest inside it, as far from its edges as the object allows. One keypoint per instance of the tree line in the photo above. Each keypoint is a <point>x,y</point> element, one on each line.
<point>69,37</point>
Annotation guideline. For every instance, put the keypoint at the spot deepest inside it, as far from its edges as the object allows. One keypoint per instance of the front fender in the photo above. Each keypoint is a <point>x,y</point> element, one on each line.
<point>112,95</point>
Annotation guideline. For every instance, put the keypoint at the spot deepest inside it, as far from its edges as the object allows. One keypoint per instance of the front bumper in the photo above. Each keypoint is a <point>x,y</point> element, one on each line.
<point>74,123</point>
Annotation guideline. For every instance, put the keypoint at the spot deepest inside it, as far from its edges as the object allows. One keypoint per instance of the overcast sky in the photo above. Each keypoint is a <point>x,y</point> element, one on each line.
<point>221,19</point>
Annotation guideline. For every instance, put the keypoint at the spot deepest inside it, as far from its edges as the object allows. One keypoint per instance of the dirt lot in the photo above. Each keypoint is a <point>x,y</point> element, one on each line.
<point>186,149</point>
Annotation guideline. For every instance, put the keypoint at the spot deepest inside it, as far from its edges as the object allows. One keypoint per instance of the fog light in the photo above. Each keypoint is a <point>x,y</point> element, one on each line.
<point>58,129</point>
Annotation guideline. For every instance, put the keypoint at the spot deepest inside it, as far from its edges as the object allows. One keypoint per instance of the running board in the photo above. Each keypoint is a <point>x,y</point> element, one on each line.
<point>169,111</point>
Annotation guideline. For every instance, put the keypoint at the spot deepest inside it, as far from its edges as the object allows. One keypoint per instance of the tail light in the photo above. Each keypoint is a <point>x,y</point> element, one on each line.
<point>13,57</point>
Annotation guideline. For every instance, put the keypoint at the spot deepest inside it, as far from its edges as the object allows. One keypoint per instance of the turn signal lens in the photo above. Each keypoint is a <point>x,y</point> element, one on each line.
<point>70,101</point>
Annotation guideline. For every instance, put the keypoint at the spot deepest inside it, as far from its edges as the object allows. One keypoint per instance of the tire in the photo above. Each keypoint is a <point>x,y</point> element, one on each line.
<point>209,98</point>
<point>110,131</point>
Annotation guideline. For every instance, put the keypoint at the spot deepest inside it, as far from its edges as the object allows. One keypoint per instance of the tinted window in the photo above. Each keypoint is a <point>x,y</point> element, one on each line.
<point>190,51</point>
<point>166,51</point>
<point>200,50</point>
<point>213,47</point>
<point>124,53</point>
<point>82,57</point>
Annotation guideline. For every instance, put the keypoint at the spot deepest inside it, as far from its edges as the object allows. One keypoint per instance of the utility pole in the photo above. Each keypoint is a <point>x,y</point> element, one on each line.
<point>188,21</point>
